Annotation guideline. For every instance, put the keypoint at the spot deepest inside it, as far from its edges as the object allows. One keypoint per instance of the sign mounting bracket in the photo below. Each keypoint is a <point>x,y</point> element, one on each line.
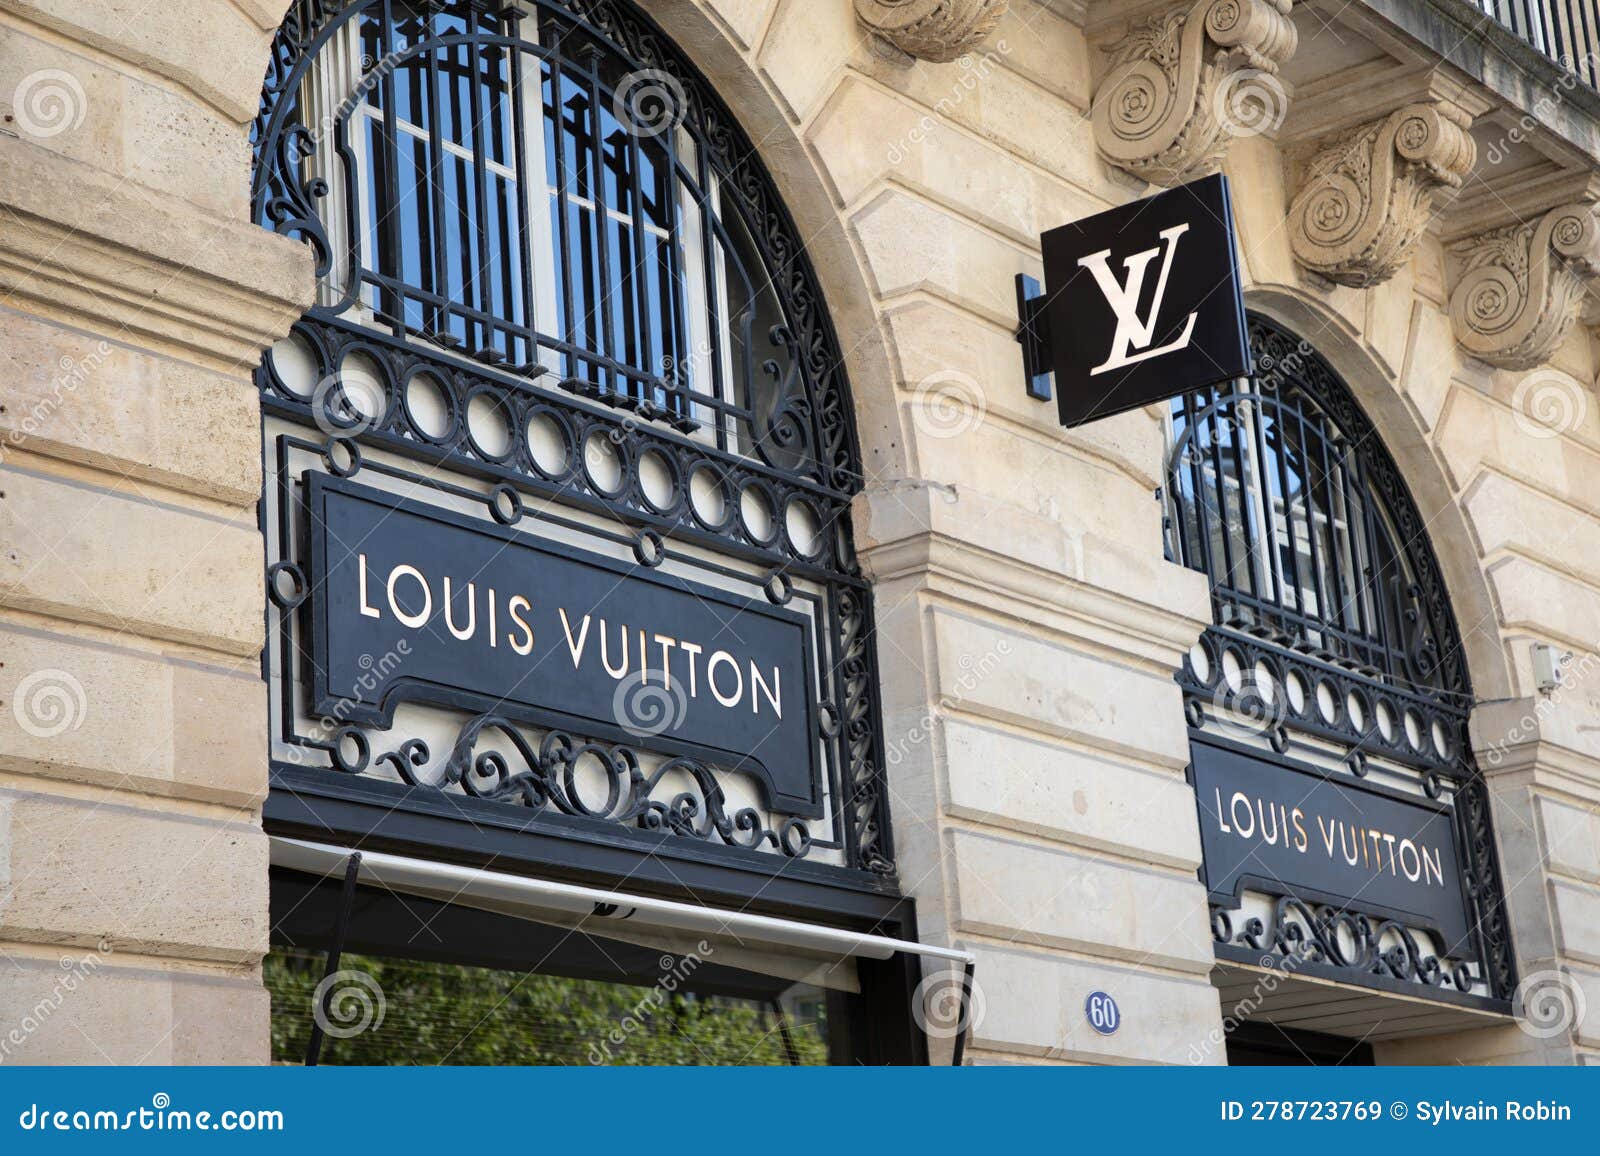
<point>1033,336</point>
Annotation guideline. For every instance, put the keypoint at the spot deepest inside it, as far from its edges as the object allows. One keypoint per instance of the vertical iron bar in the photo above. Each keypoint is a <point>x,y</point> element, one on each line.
<point>523,246</point>
<point>388,226</point>
<point>708,246</point>
<point>347,899</point>
<point>790,1052</point>
<point>564,270</point>
<point>1275,557</point>
<point>1362,626</point>
<point>1333,536</point>
<point>1246,507</point>
<point>1298,603</point>
<point>602,221</point>
<point>1374,580</point>
<point>1197,476</point>
<point>1311,519</point>
<point>1222,503</point>
<point>963,1010</point>
<point>641,282</point>
<point>441,259</point>
<point>481,294</point>
<point>677,323</point>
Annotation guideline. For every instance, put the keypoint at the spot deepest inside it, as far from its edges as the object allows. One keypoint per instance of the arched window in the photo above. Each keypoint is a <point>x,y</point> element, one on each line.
<point>559,294</point>
<point>1334,644</point>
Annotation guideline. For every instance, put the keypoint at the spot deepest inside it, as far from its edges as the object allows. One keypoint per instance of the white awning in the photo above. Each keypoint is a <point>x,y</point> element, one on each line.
<point>785,947</point>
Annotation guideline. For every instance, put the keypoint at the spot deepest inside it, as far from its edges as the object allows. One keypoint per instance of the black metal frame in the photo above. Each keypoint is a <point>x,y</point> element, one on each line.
<point>1404,664</point>
<point>780,428</point>
<point>788,438</point>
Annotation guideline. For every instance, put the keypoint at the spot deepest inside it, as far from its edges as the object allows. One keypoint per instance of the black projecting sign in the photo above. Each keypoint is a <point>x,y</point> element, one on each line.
<point>413,602</point>
<point>1141,303</point>
<point>1285,829</point>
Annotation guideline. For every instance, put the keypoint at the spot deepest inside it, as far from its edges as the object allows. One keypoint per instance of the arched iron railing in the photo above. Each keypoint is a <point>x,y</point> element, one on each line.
<point>538,211</point>
<point>1333,631</point>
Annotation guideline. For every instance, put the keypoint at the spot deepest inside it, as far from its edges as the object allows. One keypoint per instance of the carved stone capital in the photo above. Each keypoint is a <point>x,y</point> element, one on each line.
<point>1183,83</point>
<point>936,30</point>
<point>1520,287</point>
<point>1368,192</point>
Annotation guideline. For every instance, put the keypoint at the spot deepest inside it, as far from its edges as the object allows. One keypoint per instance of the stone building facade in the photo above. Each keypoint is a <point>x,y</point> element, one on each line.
<point>1415,188</point>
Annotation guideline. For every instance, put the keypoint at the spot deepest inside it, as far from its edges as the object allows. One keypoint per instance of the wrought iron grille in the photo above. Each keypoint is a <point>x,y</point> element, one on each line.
<point>1333,637</point>
<point>1567,31</point>
<point>556,281</point>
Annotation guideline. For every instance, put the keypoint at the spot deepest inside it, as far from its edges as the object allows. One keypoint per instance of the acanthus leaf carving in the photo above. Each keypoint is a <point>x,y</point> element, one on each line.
<point>1368,193</point>
<point>1520,286</point>
<point>934,30</point>
<point>1183,83</point>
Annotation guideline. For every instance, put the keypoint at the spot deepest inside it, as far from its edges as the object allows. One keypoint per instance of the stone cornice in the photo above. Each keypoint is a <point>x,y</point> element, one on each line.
<point>120,259</point>
<point>1510,69</point>
<point>917,531</point>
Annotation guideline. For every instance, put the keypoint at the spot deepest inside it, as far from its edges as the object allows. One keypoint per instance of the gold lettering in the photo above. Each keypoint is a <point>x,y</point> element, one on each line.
<point>723,656</point>
<point>472,611</point>
<point>605,656</point>
<point>520,603</point>
<point>411,620</point>
<point>771,692</point>
<point>366,607</point>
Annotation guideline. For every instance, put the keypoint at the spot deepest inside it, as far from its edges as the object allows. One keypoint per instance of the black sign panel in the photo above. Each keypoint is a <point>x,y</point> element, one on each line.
<point>413,602</point>
<point>1287,830</point>
<point>1142,303</point>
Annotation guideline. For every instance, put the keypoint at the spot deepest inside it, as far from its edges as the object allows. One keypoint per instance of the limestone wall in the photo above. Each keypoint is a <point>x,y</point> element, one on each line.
<point>1028,623</point>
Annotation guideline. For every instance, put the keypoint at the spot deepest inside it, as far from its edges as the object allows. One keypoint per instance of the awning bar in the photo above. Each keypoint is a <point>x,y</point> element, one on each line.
<point>426,877</point>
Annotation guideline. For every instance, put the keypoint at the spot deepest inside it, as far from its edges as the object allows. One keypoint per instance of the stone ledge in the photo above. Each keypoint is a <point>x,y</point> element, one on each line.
<point>74,396</point>
<point>1502,61</point>
<point>144,722</point>
<point>130,1015</point>
<point>113,256</point>
<point>1003,558</point>
<point>113,558</point>
<point>1034,1006</point>
<point>209,49</point>
<point>1048,897</point>
<point>84,874</point>
<point>1069,795</point>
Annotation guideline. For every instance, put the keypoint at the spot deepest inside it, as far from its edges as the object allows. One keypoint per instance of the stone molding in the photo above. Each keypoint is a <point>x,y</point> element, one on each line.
<point>934,30</point>
<point>211,290</point>
<point>1520,287</point>
<point>1368,193</point>
<point>1183,83</point>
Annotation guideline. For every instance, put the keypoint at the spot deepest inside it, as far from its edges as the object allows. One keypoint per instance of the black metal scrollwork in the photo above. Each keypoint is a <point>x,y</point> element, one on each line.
<point>775,451</point>
<point>1333,623</point>
<point>1334,937</point>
